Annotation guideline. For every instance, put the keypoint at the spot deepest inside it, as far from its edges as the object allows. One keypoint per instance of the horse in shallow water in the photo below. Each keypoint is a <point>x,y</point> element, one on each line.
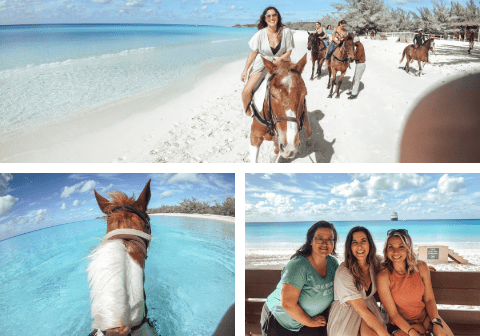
<point>319,51</point>
<point>340,61</point>
<point>284,110</point>
<point>420,54</point>
<point>116,268</point>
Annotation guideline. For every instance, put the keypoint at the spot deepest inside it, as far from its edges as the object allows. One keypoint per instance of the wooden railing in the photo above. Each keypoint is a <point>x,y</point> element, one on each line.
<point>450,288</point>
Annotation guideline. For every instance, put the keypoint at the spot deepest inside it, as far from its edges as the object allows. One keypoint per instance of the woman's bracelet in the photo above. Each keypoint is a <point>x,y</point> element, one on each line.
<point>408,333</point>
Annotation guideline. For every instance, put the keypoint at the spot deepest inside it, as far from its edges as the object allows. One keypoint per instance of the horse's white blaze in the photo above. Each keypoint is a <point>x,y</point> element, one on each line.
<point>288,82</point>
<point>292,128</point>
<point>116,287</point>
<point>253,154</point>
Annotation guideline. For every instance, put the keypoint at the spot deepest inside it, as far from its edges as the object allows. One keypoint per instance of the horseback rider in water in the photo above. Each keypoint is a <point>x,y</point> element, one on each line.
<point>419,39</point>
<point>339,33</point>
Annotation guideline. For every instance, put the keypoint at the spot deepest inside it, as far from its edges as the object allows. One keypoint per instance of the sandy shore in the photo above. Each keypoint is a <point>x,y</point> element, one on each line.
<point>226,219</point>
<point>205,122</point>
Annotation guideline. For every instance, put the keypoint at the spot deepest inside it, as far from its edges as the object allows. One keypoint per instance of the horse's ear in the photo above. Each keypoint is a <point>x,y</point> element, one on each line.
<point>142,202</point>
<point>301,64</point>
<point>103,203</point>
<point>309,33</point>
<point>270,66</point>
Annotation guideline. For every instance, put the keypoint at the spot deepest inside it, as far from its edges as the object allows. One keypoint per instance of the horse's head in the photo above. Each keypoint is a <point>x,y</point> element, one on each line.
<point>125,212</point>
<point>349,46</point>
<point>311,37</point>
<point>287,104</point>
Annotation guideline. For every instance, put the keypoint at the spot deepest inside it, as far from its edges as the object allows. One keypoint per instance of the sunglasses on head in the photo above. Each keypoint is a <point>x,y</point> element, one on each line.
<point>401,231</point>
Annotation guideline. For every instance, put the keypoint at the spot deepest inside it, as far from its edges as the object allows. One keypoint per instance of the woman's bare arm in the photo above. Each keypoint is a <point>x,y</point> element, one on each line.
<point>369,318</point>
<point>250,59</point>
<point>289,297</point>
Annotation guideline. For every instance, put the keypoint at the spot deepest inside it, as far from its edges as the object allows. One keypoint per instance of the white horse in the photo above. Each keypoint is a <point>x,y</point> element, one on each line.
<point>116,269</point>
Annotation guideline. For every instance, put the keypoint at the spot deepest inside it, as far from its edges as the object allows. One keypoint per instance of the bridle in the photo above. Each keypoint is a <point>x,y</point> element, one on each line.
<point>139,238</point>
<point>272,120</point>
<point>338,59</point>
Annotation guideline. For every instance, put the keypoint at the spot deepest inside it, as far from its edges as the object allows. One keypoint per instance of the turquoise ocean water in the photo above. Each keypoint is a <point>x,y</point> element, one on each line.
<point>52,72</point>
<point>189,277</point>
<point>456,233</point>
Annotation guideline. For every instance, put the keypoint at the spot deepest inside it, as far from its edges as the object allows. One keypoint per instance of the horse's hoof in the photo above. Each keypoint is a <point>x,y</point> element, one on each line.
<point>329,96</point>
<point>337,97</point>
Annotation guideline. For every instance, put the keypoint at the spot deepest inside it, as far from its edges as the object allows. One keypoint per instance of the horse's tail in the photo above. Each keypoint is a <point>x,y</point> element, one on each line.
<point>403,55</point>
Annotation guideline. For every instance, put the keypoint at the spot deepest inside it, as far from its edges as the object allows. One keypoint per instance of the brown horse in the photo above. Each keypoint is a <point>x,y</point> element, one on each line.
<point>116,269</point>
<point>319,52</point>
<point>420,54</point>
<point>340,61</point>
<point>372,34</point>
<point>284,111</point>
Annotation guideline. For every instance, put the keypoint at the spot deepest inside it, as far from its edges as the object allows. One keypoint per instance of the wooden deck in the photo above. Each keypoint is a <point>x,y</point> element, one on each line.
<point>452,288</point>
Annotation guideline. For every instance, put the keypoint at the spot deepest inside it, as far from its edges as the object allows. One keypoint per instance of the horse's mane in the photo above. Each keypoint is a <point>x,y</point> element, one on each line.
<point>349,37</point>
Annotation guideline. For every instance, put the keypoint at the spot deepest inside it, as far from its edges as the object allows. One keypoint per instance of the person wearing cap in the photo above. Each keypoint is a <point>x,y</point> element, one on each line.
<point>359,69</point>
<point>419,39</point>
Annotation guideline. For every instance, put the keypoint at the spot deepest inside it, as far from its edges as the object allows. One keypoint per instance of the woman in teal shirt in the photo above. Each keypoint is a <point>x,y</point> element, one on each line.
<point>297,306</point>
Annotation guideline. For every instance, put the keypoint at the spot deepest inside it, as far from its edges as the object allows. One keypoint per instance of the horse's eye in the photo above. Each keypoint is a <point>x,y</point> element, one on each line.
<point>273,97</point>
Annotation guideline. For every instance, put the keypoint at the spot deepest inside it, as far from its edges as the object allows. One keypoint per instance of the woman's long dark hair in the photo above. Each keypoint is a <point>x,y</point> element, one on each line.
<point>352,262</point>
<point>263,23</point>
<point>306,248</point>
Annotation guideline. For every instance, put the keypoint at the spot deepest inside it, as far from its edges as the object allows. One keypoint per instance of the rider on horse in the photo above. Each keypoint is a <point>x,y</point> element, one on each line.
<point>339,33</point>
<point>419,39</point>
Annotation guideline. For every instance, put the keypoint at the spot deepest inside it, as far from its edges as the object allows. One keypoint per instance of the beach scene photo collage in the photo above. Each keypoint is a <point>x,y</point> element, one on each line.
<point>140,186</point>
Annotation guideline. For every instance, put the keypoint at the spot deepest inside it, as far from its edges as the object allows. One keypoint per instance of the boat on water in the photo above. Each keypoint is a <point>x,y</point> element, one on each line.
<point>394,216</point>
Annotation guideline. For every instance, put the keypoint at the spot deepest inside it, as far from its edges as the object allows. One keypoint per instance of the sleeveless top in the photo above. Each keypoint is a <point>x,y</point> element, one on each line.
<point>322,34</point>
<point>407,292</point>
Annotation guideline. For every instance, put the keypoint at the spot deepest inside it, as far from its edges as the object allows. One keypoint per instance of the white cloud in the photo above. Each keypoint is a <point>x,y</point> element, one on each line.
<point>450,184</point>
<point>107,188</point>
<point>63,207</point>
<point>354,189</point>
<point>204,7</point>
<point>101,1</point>
<point>76,203</point>
<point>134,3</point>
<point>332,202</point>
<point>6,203</point>
<point>40,215</point>
<point>89,185</point>
<point>166,194</point>
<point>447,189</point>
<point>266,176</point>
<point>203,2</point>
<point>184,177</point>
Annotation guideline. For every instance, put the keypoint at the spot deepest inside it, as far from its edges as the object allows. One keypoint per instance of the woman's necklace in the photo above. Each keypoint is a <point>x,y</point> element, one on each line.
<point>399,273</point>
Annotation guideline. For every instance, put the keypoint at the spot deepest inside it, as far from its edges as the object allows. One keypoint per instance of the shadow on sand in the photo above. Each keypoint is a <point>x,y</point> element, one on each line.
<point>316,149</point>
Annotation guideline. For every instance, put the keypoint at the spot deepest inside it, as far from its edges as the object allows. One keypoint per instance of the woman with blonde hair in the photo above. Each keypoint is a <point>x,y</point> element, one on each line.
<point>405,289</point>
<point>354,309</point>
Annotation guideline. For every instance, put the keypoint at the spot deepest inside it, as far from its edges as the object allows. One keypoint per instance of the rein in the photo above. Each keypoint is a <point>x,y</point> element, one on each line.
<point>272,120</point>
<point>338,59</point>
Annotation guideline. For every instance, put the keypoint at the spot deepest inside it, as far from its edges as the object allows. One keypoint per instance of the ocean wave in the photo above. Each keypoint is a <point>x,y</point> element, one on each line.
<point>71,61</point>
<point>227,40</point>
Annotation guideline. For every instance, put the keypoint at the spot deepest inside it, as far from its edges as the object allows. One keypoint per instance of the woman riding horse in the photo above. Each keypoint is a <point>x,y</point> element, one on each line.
<point>321,33</point>
<point>339,33</point>
<point>274,42</point>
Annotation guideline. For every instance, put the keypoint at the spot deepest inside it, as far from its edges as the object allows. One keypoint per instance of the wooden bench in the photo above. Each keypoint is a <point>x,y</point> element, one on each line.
<point>451,288</point>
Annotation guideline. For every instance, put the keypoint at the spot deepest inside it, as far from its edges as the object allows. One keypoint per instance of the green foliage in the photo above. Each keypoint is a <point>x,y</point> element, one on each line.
<point>190,206</point>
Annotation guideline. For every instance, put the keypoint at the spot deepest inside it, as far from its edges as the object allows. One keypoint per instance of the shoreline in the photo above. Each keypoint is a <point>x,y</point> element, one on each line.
<point>77,139</point>
<point>220,218</point>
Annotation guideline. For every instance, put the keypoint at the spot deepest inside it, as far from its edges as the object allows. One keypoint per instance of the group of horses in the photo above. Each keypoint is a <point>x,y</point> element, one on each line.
<point>284,112</point>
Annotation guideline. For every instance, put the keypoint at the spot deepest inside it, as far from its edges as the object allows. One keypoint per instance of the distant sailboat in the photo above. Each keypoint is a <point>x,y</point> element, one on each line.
<point>394,216</point>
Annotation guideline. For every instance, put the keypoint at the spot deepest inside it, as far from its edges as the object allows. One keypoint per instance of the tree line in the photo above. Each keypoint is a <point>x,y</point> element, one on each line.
<point>227,208</point>
<point>375,14</point>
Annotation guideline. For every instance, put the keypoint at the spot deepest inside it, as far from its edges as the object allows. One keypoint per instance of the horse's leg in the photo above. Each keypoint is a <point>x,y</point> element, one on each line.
<point>339,84</point>
<point>257,132</point>
<point>329,76</point>
<point>419,68</point>
<point>319,68</point>
<point>334,76</point>
<point>313,66</point>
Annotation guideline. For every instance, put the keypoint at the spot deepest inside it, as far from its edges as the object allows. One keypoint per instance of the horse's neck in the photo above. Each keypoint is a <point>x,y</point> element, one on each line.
<point>116,287</point>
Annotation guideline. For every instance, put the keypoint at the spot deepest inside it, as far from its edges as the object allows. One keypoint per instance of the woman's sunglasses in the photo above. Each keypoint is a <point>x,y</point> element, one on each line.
<point>401,231</point>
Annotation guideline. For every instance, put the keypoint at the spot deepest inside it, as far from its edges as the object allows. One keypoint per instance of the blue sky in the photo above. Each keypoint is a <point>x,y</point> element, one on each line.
<point>344,197</point>
<point>205,12</point>
<point>30,202</point>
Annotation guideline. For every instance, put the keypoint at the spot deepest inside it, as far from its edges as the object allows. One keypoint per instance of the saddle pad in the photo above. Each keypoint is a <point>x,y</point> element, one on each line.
<point>259,95</point>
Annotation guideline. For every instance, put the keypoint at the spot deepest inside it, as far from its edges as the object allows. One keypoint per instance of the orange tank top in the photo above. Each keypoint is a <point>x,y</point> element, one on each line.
<point>407,292</point>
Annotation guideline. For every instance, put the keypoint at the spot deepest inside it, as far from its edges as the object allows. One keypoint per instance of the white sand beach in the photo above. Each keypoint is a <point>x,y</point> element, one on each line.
<point>204,121</point>
<point>226,219</point>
